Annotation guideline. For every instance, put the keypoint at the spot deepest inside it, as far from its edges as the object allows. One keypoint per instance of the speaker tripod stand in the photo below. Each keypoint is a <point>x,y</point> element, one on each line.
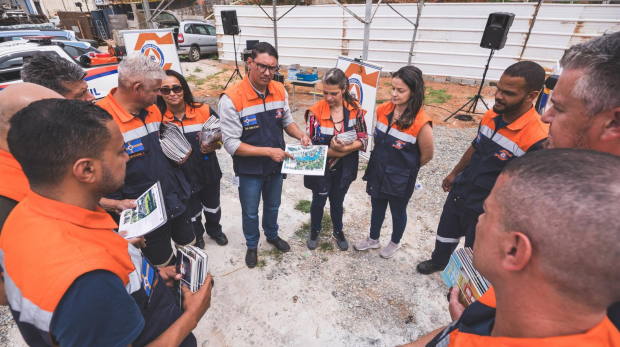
<point>473,102</point>
<point>236,73</point>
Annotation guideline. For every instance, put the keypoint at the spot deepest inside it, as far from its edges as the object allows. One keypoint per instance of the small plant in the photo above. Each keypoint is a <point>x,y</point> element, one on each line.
<point>363,167</point>
<point>191,78</point>
<point>303,231</point>
<point>213,56</point>
<point>436,96</point>
<point>200,81</point>
<point>380,101</point>
<point>303,206</point>
<point>324,259</point>
<point>326,224</point>
<point>389,84</point>
<point>326,246</point>
<point>274,252</point>
<point>197,69</point>
<point>261,263</point>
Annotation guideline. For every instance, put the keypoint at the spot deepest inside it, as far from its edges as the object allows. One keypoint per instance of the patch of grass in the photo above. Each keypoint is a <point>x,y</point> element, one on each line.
<point>326,246</point>
<point>213,56</point>
<point>216,86</point>
<point>303,206</point>
<point>191,78</point>
<point>363,167</point>
<point>200,81</point>
<point>303,231</point>
<point>197,69</point>
<point>274,252</point>
<point>437,96</point>
<point>324,259</point>
<point>389,84</point>
<point>380,101</point>
<point>261,263</point>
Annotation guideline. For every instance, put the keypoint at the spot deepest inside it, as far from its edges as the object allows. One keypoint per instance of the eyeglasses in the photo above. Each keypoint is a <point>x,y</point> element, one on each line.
<point>175,89</point>
<point>262,68</point>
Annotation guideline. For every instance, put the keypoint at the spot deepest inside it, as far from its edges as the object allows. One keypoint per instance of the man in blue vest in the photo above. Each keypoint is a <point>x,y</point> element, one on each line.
<point>509,130</point>
<point>254,114</point>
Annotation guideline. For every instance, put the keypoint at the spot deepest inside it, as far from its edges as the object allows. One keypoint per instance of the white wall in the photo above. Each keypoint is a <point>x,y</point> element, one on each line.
<point>448,37</point>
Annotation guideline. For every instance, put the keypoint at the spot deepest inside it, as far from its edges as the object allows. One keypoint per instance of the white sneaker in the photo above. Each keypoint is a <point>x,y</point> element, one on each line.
<point>388,251</point>
<point>366,244</point>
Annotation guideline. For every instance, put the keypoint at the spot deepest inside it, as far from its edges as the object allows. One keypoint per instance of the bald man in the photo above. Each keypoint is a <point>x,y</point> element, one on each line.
<point>14,185</point>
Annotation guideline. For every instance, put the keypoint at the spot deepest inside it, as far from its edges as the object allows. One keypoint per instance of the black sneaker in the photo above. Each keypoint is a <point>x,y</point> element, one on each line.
<point>221,240</point>
<point>280,244</point>
<point>430,266</point>
<point>200,243</point>
<point>251,258</point>
<point>313,240</point>
<point>341,241</point>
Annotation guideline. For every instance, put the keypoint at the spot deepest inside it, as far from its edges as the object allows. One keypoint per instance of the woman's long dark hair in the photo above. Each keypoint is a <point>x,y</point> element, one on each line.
<point>335,77</point>
<point>412,77</point>
<point>188,97</point>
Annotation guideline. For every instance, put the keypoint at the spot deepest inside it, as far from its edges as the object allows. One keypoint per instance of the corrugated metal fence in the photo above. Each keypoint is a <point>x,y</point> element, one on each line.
<point>447,42</point>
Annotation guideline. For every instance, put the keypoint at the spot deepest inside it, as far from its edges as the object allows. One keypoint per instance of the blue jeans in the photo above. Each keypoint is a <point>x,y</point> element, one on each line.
<point>336,198</point>
<point>399,217</point>
<point>250,190</point>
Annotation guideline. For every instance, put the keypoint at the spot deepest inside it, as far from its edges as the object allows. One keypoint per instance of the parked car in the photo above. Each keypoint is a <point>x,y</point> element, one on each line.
<point>196,38</point>
<point>58,34</point>
<point>100,78</point>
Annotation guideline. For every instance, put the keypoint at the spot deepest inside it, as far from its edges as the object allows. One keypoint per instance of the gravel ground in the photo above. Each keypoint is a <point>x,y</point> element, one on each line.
<point>325,297</point>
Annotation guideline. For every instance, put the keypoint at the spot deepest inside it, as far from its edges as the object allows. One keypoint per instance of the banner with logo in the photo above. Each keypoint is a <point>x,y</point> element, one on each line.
<point>155,43</point>
<point>363,83</point>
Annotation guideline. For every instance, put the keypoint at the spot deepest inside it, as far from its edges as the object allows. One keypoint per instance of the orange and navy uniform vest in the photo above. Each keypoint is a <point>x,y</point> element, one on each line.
<point>46,245</point>
<point>14,184</point>
<point>395,159</point>
<point>324,135</point>
<point>474,328</point>
<point>147,162</point>
<point>200,169</point>
<point>495,148</point>
<point>262,125</point>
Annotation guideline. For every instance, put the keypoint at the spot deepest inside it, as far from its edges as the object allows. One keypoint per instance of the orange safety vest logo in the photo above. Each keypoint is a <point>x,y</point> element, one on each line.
<point>399,144</point>
<point>279,113</point>
<point>503,155</point>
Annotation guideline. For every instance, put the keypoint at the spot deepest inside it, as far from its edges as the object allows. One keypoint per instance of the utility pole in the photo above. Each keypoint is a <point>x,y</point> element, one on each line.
<point>147,14</point>
<point>275,24</point>
<point>366,29</point>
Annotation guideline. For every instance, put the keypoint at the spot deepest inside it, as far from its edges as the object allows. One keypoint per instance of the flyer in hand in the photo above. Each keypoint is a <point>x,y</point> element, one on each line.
<point>308,160</point>
<point>460,273</point>
<point>193,265</point>
<point>348,137</point>
<point>173,142</point>
<point>210,130</point>
<point>149,214</point>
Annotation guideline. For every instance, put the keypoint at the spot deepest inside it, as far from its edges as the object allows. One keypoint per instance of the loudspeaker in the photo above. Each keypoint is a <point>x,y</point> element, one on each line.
<point>496,31</point>
<point>249,44</point>
<point>229,22</point>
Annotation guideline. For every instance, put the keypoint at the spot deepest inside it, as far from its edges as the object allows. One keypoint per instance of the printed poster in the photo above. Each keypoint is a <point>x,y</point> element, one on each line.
<point>158,44</point>
<point>363,83</point>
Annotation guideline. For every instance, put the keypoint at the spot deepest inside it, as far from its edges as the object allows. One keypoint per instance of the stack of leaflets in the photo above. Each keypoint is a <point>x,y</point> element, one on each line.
<point>347,137</point>
<point>149,214</point>
<point>173,142</point>
<point>460,273</point>
<point>193,265</point>
<point>210,130</point>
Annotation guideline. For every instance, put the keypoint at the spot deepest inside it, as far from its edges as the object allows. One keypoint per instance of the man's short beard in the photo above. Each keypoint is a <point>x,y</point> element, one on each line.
<point>511,108</point>
<point>107,185</point>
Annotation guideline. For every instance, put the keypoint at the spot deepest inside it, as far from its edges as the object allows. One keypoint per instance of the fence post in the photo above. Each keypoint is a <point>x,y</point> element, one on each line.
<point>275,25</point>
<point>415,31</point>
<point>529,32</point>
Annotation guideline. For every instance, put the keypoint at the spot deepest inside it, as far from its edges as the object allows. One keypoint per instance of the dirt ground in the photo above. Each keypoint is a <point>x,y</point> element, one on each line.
<point>327,297</point>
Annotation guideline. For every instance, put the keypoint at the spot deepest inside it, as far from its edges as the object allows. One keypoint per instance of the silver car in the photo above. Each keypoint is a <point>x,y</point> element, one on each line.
<point>196,38</point>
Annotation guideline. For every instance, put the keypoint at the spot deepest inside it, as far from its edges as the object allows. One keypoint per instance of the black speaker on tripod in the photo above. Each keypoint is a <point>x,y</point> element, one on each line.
<point>229,22</point>
<point>493,38</point>
<point>496,31</point>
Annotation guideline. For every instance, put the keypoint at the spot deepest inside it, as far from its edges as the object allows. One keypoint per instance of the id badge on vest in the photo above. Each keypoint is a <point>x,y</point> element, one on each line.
<point>149,278</point>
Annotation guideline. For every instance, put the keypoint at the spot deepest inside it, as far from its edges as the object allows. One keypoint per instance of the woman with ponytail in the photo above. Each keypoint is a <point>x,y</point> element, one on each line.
<point>337,113</point>
<point>403,143</point>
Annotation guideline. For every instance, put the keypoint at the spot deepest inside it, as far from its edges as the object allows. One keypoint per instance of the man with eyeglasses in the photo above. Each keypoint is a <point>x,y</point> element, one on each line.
<point>131,106</point>
<point>254,114</point>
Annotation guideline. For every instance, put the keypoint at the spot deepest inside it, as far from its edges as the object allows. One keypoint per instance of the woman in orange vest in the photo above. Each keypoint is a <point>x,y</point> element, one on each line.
<point>202,168</point>
<point>337,113</point>
<point>403,143</point>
